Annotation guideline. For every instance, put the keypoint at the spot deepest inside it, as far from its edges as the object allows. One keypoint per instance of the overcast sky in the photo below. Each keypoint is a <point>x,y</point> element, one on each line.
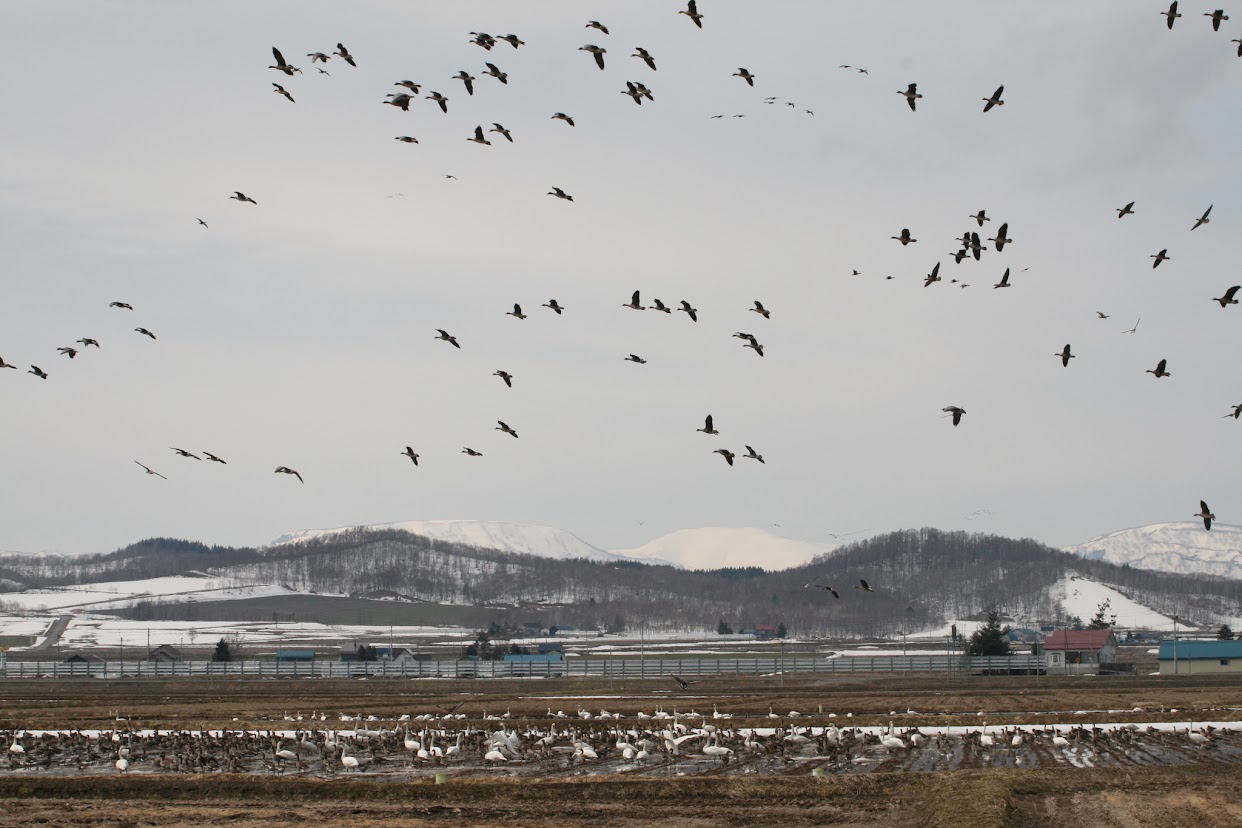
<point>300,331</point>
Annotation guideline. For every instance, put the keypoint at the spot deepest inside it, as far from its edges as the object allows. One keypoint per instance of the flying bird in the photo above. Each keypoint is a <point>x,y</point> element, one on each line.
<point>504,375</point>
<point>561,116</point>
<point>726,454</point>
<point>145,332</point>
<point>280,90</point>
<point>1171,14</point>
<point>478,136</point>
<point>1203,219</point>
<point>595,24</point>
<point>200,221</point>
<point>287,470</point>
<point>501,129</point>
<point>447,337</point>
<point>1205,513</point>
<point>185,453</point>
<point>69,352</point>
<point>242,197</point>
<point>513,40</point>
<point>150,470</point>
<point>636,358</point>
<point>281,66</point>
<point>934,276</point>
<point>409,452</point>
<point>37,371</point>
<point>634,304</point>
<point>754,455</point>
<point>559,193</point>
<point>494,71</point>
<point>751,342</point>
<point>645,56</point>
<point>399,99</point>
<point>502,426</point>
<point>1102,315</point>
<point>125,305</point>
<point>410,85</point>
<point>956,411</point>
<point>1135,328</point>
<point>471,452</point>
<point>660,307</point>
<point>1122,212</point>
<point>693,313</point>
<point>1065,355</point>
<point>467,79</point>
<point>440,99</point>
<point>1000,238</point>
<point>681,682</point>
<point>1004,282</point>
<point>1228,299</point>
<point>484,40</point>
<point>824,587</point>
<point>213,458</point>
<point>761,310</point>
<point>4,364</point>
<point>406,139</point>
<point>1217,16</point>
<point>516,313</point>
<point>981,217</point>
<point>1159,371</point>
<point>317,56</point>
<point>344,54</point>
<point>911,95</point>
<point>1159,257</point>
<point>905,237</point>
<point>553,305</point>
<point>1236,413</point>
<point>745,75</point>
<point>707,426</point>
<point>692,11</point>
<point>864,586</point>
<point>995,100</point>
<point>597,51</point>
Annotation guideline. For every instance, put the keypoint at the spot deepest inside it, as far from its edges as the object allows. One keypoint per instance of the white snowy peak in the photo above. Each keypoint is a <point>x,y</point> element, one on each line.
<point>1171,547</point>
<point>716,548</point>
<point>522,538</point>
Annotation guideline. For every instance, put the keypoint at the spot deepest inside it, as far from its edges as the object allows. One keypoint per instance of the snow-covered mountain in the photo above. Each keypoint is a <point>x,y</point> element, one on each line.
<point>1171,547</point>
<point>527,539</point>
<point>713,548</point>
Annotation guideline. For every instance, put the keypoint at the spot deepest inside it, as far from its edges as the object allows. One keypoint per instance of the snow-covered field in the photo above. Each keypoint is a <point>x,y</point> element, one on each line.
<point>112,595</point>
<point>89,632</point>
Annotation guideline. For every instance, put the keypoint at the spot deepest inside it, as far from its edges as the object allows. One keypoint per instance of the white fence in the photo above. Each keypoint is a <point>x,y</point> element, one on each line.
<point>603,667</point>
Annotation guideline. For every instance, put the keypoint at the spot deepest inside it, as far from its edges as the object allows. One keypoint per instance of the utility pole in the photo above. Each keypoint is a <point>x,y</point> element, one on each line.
<point>1175,619</point>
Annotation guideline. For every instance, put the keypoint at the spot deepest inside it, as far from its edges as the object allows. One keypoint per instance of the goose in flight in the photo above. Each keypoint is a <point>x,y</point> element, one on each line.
<point>726,454</point>
<point>494,71</point>
<point>471,452</point>
<point>501,129</point>
<point>1171,14</point>
<point>504,375</point>
<point>1236,413</point>
<point>751,342</point>
<point>399,99</point>
<point>440,99</point>
<point>478,137</point>
<point>634,303</point>
<point>559,193</point>
<point>911,95</point>
<point>693,313</point>
<point>447,337</point>
<point>561,116</point>
<point>483,39</point>
<point>754,455</point>
<point>1228,299</point>
<point>287,470</point>
<point>410,85</point>
<point>280,90</point>
<point>824,587</point>
<point>660,306</point>
<point>956,412</point>
<point>238,196</point>
<point>150,470</point>
<point>145,332</point>
<point>1159,257</point>
<point>200,221</point>
<point>407,139</point>
<point>1102,315</point>
<point>553,305</point>
<point>595,24</point>
<point>1000,238</point>
<point>319,57</point>
<point>513,40</point>
<point>1159,371</point>
<point>516,313</point>
<point>597,51</point>
<point>1122,212</point>
<point>1065,356</point>
<point>981,217</point>
<point>1004,282</point>
<point>344,54</point>
<point>1217,16</point>
<point>466,78</point>
<point>864,586</point>
<point>681,682</point>
<point>636,95</point>
<point>761,310</point>
<point>69,352</point>
<point>995,100</point>
<point>707,426</point>
<point>213,458</point>
<point>502,426</point>
<point>410,453</point>
<point>905,237</point>
<point>645,56</point>
<point>87,341</point>
<point>125,305</point>
<point>185,453</point>
<point>1135,328</point>
<point>1205,513</point>
<point>37,371</point>
<point>934,276</point>
<point>281,66</point>
<point>1203,219</point>
<point>692,11</point>
<point>745,75</point>
<point>636,358</point>
<point>4,364</point>
<point>1239,42</point>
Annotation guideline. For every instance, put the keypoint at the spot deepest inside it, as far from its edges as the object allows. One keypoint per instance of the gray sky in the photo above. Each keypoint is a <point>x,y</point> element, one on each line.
<point>300,331</point>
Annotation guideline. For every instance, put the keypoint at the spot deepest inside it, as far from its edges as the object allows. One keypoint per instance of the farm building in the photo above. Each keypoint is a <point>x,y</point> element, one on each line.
<point>1200,657</point>
<point>1068,649</point>
<point>294,656</point>
<point>84,658</point>
<point>398,655</point>
<point>165,653</point>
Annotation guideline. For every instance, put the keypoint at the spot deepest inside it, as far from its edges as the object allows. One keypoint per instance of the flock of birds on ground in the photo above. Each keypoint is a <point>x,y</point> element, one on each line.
<point>658,742</point>
<point>970,244</point>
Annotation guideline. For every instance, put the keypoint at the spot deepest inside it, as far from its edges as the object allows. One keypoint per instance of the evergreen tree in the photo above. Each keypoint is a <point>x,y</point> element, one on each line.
<point>723,629</point>
<point>781,632</point>
<point>1099,621</point>
<point>989,640</point>
<point>1225,633</point>
<point>222,652</point>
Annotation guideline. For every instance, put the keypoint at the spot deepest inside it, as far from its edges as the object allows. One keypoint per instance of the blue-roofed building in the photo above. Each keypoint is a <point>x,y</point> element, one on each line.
<point>289,656</point>
<point>1192,656</point>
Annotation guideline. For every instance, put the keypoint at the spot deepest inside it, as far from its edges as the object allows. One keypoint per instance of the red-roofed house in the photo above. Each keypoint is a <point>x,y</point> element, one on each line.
<point>1066,648</point>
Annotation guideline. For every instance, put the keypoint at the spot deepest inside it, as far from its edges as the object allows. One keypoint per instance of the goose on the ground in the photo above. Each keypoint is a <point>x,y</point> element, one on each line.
<point>213,458</point>
<point>911,95</point>
<point>692,11</point>
<point>707,426</point>
<point>636,358</point>
<point>693,313</point>
<point>478,137</point>
<point>1205,513</point>
<point>494,71</point>
<point>185,453</point>
<point>645,56</point>
<point>287,470</point>
<point>504,375</point>
<point>1065,355</point>
<point>1159,371</point>
<point>502,426</point>
<point>1203,219</point>
<point>597,51</point>
<point>150,470</point>
<point>501,129</point>
<point>561,116</point>
<point>1228,299</point>
<point>634,303</point>
<point>905,237</point>
<point>955,411</point>
<point>242,197</point>
<point>745,75</point>
<point>559,193</point>
<point>145,332</point>
<point>1159,257</point>
<point>1004,282</point>
<point>280,90</point>
<point>37,371</point>
<point>995,100</point>
<point>447,337</point>
<point>554,306</point>
<point>440,99</point>
<point>125,305</point>
<point>754,455</point>
<point>344,54</point>
<point>726,454</point>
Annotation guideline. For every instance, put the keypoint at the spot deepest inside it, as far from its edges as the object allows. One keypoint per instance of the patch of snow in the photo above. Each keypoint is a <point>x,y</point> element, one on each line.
<point>1171,547</point>
<point>1082,597</point>
<point>716,548</point>
<point>111,595</point>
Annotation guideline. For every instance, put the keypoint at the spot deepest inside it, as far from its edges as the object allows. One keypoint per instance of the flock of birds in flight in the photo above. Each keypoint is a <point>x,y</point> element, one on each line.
<point>971,243</point>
